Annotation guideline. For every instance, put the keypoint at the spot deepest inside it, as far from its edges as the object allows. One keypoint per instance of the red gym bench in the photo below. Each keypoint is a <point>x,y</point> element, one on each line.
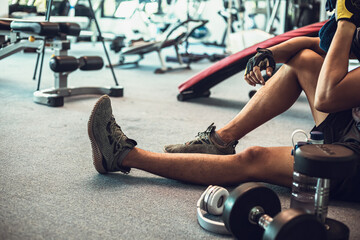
<point>200,84</point>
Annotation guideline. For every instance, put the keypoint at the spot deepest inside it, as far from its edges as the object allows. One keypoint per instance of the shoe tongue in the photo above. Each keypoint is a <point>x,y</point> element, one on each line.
<point>116,129</point>
<point>131,141</point>
<point>217,139</point>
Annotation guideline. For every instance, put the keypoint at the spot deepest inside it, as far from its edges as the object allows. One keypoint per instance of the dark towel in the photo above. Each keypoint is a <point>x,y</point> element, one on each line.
<point>327,32</point>
<point>330,5</point>
<point>355,47</point>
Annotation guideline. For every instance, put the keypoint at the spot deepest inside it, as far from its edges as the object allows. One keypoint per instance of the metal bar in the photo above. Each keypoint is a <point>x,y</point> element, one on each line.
<point>47,18</point>
<point>41,65</point>
<point>273,15</point>
<point>103,43</point>
<point>36,65</point>
<point>48,11</point>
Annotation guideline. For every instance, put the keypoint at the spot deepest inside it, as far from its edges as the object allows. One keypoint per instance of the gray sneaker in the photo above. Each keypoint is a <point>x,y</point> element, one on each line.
<point>109,144</point>
<point>203,144</point>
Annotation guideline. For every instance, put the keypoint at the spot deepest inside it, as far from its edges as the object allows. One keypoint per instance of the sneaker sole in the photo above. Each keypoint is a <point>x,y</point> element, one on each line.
<point>96,153</point>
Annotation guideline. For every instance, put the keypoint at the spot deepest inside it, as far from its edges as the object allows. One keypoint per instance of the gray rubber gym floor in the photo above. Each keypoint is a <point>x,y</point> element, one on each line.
<point>49,188</point>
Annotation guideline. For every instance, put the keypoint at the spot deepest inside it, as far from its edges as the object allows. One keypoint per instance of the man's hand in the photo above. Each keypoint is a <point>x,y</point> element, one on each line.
<point>263,60</point>
<point>348,10</point>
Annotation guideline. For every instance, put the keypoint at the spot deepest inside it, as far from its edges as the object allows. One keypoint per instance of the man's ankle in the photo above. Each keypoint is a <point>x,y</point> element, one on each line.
<point>219,139</point>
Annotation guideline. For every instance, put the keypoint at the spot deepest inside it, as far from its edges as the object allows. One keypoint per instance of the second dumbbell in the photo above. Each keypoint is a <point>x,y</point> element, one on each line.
<point>253,211</point>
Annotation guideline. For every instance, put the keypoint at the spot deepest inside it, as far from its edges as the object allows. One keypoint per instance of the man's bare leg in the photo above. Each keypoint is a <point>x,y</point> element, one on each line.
<point>272,165</point>
<point>113,151</point>
<point>278,95</point>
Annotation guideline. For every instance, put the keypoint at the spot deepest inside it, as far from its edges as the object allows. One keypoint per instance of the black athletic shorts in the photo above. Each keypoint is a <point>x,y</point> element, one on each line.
<point>340,128</point>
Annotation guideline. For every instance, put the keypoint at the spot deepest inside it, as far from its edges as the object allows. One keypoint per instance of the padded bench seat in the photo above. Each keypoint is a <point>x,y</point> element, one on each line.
<point>69,28</point>
<point>5,25</point>
<point>46,29</point>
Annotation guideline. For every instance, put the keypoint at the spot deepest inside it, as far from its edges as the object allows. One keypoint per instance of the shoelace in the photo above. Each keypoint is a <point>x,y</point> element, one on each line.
<point>115,134</point>
<point>203,137</point>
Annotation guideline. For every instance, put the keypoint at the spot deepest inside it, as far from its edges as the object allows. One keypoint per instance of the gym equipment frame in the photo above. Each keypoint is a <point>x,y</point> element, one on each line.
<point>17,35</point>
<point>147,47</point>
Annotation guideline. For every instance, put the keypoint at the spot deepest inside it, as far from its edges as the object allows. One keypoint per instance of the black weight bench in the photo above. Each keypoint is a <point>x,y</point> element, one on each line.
<point>174,38</point>
<point>18,35</point>
<point>13,40</point>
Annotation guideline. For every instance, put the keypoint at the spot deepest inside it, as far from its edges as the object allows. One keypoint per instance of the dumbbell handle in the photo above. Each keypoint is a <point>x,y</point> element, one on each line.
<point>322,199</point>
<point>257,216</point>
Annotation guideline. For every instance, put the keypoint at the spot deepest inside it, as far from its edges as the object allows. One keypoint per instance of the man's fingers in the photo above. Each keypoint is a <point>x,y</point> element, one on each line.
<point>248,80</point>
<point>269,71</point>
<point>251,78</point>
<point>254,78</point>
<point>258,76</point>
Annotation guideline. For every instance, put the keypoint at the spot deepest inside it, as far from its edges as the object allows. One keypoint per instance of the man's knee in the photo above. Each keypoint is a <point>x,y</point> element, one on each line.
<point>306,59</point>
<point>254,155</point>
<point>306,65</point>
<point>253,161</point>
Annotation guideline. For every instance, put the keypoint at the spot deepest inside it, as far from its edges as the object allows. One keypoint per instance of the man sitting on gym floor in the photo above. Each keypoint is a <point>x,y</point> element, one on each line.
<point>332,93</point>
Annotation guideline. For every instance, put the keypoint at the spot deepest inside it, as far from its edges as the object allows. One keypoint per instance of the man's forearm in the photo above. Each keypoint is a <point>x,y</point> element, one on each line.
<point>337,89</point>
<point>286,50</point>
<point>335,66</point>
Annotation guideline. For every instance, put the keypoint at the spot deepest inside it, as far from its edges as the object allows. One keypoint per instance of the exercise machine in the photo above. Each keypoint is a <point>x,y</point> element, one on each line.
<point>16,35</point>
<point>174,37</point>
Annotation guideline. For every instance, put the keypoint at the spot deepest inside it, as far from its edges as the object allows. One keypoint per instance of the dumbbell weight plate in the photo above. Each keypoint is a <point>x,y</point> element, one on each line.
<point>330,161</point>
<point>337,230</point>
<point>295,224</point>
<point>239,204</point>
